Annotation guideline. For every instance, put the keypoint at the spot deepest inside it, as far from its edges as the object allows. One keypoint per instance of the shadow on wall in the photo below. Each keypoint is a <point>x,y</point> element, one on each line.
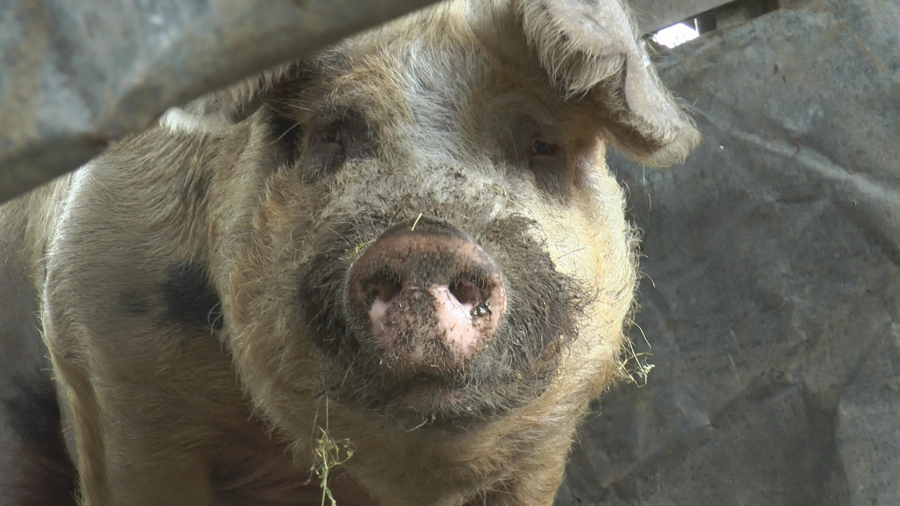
<point>771,295</point>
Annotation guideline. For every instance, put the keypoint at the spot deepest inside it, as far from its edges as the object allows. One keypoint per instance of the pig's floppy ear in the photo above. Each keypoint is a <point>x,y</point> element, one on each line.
<point>591,51</point>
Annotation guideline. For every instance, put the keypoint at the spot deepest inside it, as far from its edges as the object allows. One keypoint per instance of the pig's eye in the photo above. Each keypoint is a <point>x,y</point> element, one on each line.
<point>330,145</point>
<point>547,162</point>
<point>327,150</point>
<point>333,134</point>
<point>542,148</point>
<point>536,148</point>
<point>285,133</point>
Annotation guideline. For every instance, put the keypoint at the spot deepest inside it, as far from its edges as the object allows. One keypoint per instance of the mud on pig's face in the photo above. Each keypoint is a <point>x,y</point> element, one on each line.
<point>428,228</point>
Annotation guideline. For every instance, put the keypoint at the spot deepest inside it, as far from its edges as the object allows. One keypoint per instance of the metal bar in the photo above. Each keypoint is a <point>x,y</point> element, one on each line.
<point>652,15</point>
<point>75,76</point>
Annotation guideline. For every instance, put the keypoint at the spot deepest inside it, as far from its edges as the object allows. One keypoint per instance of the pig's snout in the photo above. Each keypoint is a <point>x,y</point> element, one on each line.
<point>427,297</point>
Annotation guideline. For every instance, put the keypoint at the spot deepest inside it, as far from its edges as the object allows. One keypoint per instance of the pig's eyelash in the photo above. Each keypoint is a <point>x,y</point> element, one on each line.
<point>277,114</point>
<point>276,141</point>
<point>293,105</point>
<point>333,133</point>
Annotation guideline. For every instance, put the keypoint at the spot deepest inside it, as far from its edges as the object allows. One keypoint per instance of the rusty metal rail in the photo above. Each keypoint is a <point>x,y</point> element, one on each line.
<point>75,76</point>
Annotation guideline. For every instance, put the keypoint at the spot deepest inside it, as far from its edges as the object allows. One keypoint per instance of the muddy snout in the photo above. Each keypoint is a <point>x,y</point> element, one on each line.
<point>426,297</point>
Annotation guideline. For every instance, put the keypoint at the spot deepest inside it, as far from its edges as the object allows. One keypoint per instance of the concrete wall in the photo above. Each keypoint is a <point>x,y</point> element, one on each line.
<point>772,289</point>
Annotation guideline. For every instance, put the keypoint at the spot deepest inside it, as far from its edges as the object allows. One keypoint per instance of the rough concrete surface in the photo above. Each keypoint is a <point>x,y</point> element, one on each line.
<point>77,75</point>
<point>771,294</point>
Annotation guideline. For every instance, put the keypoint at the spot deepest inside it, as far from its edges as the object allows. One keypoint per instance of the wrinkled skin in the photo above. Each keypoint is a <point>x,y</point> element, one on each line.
<point>209,290</point>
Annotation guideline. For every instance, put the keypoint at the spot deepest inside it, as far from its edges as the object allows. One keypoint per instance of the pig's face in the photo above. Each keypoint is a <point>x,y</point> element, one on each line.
<point>421,224</point>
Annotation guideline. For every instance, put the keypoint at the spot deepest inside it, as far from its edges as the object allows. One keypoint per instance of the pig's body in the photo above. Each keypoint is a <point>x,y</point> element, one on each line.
<point>408,247</point>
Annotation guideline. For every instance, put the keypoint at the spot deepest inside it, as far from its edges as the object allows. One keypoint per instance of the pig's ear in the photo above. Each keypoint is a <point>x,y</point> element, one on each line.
<point>230,105</point>
<point>591,50</point>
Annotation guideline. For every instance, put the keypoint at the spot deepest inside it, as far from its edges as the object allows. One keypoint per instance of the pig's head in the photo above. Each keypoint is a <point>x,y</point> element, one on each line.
<point>419,223</point>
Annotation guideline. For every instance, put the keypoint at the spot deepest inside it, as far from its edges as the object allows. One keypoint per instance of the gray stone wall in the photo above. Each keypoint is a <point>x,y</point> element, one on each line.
<point>771,294</point>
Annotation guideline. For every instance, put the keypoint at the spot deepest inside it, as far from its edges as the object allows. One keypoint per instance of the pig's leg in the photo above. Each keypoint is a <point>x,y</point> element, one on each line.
<point>139,470</point>
<point>127,458</point>
<point>536,486</point>
<point>538,475</point>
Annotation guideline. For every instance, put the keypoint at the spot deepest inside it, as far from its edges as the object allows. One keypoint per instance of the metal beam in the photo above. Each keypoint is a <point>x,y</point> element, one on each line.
<point>75,76</point>
<point>655,14</point>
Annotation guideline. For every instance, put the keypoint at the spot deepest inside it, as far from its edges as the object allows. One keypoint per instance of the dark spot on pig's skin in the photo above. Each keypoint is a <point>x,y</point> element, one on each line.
<point>131,304</point>
<point>44,474</point>
<point>190,297</point>
<point>194,187</point>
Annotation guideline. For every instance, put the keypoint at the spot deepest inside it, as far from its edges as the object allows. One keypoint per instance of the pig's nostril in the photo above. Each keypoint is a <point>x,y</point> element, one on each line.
<point>465,291</point>
<point>383,289</point>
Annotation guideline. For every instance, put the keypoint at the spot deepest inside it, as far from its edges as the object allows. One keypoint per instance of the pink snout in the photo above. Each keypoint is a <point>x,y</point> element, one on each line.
<point>429,298</point>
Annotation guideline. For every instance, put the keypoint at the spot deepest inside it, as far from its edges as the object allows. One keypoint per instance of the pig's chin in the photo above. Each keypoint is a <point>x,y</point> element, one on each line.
<point>449,398</point>
<point>436,384</point>
<point>434,388</point>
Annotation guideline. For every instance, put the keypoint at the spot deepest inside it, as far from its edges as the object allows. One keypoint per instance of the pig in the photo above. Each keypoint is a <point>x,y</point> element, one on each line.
<point>395,273</point>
